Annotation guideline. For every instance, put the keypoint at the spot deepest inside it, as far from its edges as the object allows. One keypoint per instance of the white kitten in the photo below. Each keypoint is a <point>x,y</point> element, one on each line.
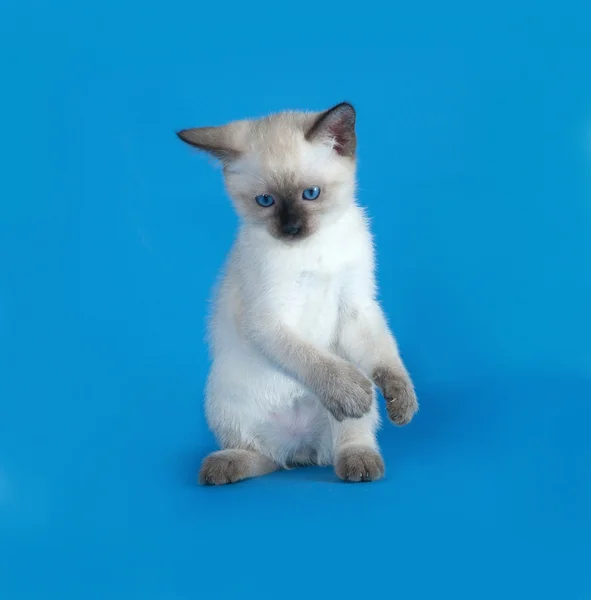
<point>297,336</point>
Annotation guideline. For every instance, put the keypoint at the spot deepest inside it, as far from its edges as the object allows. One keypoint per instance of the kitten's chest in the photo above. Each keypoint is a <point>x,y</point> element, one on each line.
<point>316,288</point>
<point>314,299</point>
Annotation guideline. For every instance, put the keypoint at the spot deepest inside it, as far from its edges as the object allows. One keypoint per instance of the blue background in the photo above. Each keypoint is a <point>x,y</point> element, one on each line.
<point>474,126</point>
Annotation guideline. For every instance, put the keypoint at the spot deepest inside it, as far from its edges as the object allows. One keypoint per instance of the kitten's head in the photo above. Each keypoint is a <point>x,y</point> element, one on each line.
<point>289,173</point>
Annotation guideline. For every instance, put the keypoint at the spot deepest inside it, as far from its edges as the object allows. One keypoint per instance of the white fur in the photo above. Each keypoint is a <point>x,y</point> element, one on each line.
<point>250,402</point>
<point>297,317</point>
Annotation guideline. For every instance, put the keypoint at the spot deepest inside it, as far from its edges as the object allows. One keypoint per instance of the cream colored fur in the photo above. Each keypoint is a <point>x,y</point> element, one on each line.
<point>297,336</point>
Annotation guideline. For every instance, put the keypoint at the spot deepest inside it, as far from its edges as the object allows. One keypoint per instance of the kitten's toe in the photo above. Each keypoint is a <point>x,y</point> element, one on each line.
<point>359,463</point>
<point>399,393</point>
<point>402,408</point>
<point>220,468</point>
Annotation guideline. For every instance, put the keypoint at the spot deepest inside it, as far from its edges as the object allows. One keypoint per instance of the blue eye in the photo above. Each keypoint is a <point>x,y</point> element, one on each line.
<point>311,193</point>
<point>265,200</point>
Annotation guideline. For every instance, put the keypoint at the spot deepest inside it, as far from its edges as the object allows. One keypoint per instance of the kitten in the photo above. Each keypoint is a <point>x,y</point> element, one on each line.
<point>297,336</point>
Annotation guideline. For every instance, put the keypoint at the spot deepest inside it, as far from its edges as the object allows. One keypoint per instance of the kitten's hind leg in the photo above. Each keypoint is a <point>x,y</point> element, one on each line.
<point>232,465</point>
<point>356,454</point>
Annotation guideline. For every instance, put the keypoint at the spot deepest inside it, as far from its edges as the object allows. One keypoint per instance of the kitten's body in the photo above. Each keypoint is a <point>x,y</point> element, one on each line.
<point>249,400</point>
<point>296,333</point>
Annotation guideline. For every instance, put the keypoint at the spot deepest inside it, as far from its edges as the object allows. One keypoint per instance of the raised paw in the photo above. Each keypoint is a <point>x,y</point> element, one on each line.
<point>399,393</point>
<point>359,463</point>
<point>347,392</point>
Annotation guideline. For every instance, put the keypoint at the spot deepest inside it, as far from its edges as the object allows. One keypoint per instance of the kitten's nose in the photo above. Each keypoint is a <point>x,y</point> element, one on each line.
<point>291,228</point>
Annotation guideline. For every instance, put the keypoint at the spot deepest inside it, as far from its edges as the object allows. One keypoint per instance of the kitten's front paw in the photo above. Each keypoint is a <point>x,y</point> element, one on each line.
<point>399,393</point>
<point>359,463</point>
<point>348,393</point>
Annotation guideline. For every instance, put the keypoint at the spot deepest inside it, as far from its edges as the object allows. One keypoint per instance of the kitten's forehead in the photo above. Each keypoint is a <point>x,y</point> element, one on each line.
<point>277,149</point>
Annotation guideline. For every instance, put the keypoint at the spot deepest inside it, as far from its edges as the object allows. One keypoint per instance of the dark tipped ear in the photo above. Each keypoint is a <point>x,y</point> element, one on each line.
<point>338,124</point>
<point>215,140</point>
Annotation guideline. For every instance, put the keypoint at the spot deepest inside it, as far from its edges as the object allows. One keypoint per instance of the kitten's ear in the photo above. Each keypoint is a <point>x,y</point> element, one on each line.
<point>220,142</point>
<point>336,124</point>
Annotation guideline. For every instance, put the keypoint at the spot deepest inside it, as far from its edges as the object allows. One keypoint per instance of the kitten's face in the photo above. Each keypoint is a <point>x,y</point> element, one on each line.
<point>288,173</point>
